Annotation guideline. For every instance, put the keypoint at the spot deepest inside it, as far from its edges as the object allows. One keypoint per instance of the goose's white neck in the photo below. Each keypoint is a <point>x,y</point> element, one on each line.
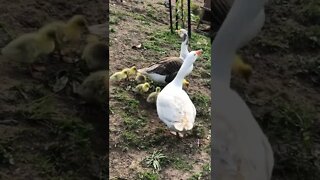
<point>178,80</point>
<point>184,47</point>
<point>232,34</point>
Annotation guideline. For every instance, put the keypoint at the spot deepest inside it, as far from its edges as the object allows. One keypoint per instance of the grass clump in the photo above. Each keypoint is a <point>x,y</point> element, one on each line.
<point>6,158</point>
<point>134,140</point>
<point>39,109</point>
<point>202,104</point>
<point>162,40</point>
<point>134,123</point>
<point>155,160</point>
<point>292,131</point>
<point>147,176</point>
<point>204,174</point>
<point>181,164</point>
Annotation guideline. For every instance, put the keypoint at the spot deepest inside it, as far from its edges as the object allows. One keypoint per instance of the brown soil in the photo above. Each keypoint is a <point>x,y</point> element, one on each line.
<point>61,138</point>
<point>285,85</point>
<point>127,155</point>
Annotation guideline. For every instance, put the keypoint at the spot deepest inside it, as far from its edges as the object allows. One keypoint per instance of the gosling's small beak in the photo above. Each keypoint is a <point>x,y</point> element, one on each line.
<point>199,52</point>
<point>178,30</point>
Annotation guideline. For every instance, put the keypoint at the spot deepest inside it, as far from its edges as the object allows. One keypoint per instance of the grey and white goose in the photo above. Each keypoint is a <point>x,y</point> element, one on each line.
<point>167,68</point>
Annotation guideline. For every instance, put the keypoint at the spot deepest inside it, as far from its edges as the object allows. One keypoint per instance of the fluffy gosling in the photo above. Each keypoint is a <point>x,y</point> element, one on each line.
<point>119,76</point>
<point>185,84</point>
<point>28,47</point>
<point>140,78</point>
<point>152,98</point>
<point>95,54</point>
<point>242,69</point>
<point>94,89</point>
<point>142,88</point>
<point>131,71</point>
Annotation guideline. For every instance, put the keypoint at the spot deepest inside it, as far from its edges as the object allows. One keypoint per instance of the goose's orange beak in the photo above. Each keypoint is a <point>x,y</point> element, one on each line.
<point>199,52</point>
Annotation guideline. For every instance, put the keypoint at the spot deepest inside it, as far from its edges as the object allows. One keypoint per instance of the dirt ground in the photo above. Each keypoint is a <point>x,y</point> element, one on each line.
<point>283,93</point>
<point>135,130</point>
<point>47,135</point>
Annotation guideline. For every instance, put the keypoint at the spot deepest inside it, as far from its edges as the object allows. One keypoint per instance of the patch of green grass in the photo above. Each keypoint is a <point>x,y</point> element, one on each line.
<point>307,70</point>
<point>112,30</point>
<point>207,66</point>
<point>162,40</point>
<point>114,20</point>
<point>206,169</point>
<point>204,174</point>
<point>146,23</point>
<point>132,105</point>
<point>207,149</point>
<point>207,83</point>
<point>199,131</point>
<point>147,176</point>
<point>45,165</point>
<point>195,9</point>
<point>291,129</point>
<point>306,38</point>
<point>196,176</point>
<point>273,43</point>
<point>71,139</point>
<point>181,164</point>
<point>132,123</point>
<point>144,19</point>
<point>151,13</point>
<point>6,158</point>
<point>39,109</point>
<point>199,41</point>
<point>202,104</point>
<point>134,140</point>
<point>155,160</point>
<point>160,138</point>
<point>311,11</point>
<point>195,12</point>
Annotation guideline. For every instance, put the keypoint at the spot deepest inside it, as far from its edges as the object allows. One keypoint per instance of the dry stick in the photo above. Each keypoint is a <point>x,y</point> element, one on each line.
<point>170,12</point>
<point>176,10</point>
<point>189,19</point>
<point>182,14</point>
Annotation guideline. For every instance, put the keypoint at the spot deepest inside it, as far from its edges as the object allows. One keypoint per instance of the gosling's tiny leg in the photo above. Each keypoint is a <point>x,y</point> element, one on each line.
<point>178,136</point>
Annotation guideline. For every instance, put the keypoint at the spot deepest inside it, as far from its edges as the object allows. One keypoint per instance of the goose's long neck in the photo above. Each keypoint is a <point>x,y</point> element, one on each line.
<point>232,34</point>
<point>184,47</point>
<point>178,80</point>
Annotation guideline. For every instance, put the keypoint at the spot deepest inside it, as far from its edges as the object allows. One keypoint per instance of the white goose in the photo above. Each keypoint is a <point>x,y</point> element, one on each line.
<point>166,69</point>
<point>174,106</point>
<point>241,149</point>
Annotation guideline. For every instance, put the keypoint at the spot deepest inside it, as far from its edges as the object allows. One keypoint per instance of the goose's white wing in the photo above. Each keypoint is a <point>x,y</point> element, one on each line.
<point>176,110</point>
<point>240,148</point>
